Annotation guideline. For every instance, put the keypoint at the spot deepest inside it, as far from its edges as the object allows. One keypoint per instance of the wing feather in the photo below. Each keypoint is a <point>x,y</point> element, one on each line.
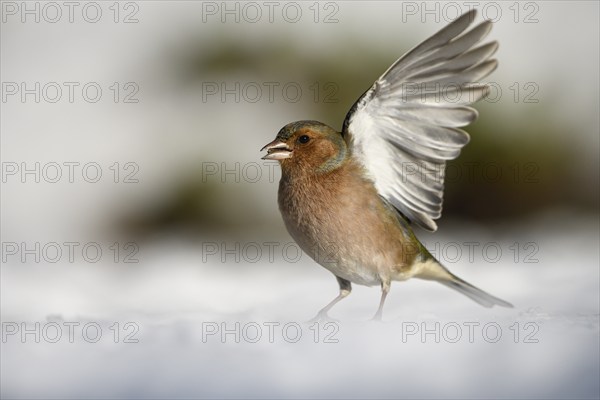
<point>406,126</point>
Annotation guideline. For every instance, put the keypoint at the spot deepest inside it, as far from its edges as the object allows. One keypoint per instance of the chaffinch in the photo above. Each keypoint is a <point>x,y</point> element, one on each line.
<point>350,198</point>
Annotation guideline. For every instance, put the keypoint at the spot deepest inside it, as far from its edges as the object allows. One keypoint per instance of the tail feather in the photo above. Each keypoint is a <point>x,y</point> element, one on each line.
<point>433,270</point>
<point>475,294</point>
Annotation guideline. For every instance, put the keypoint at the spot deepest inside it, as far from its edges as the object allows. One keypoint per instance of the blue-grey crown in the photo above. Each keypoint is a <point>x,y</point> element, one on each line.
<point>292,127</point>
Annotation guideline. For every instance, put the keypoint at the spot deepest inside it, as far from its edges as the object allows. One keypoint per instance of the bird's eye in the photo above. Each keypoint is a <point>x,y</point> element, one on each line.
<point>303,139</point>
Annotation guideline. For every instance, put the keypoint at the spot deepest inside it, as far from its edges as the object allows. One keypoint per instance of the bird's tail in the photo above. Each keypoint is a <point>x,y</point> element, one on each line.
<point>440,274</point>
<point>475,294</point>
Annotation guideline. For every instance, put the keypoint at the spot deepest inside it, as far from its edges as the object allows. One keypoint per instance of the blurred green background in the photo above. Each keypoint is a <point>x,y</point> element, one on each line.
<point>527,156</point>
<point>533,150</point>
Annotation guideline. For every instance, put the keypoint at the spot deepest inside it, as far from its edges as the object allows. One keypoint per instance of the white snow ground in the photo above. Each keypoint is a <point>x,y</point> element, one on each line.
<point>178,307</point>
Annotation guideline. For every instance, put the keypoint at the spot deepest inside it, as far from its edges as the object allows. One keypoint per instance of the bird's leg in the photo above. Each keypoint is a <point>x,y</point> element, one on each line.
<point>385,288</point>
<point>345,289</point>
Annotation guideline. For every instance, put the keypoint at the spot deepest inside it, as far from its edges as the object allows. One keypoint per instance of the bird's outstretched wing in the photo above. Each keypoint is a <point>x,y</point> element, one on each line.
<point>405,127</point>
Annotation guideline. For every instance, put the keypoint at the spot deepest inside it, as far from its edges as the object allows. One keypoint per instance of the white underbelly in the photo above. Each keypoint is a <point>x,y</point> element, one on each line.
<point>353,270</point>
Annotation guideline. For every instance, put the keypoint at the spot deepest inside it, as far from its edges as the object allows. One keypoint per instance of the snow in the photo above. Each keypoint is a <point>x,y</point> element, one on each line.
<point>194,328</point>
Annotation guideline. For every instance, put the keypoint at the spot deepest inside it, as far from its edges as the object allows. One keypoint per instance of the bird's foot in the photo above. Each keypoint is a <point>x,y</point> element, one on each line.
<point>322,316</point>
<point>378,317</point>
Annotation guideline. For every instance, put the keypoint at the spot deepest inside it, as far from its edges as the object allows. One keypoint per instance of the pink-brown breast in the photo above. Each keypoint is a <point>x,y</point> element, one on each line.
<point>339,219</point>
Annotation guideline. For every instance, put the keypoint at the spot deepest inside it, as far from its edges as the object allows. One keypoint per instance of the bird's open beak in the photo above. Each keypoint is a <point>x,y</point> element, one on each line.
<point>277,150</point>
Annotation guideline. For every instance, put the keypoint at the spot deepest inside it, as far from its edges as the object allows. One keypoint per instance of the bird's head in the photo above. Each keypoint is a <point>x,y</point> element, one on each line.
<point>309,145</point>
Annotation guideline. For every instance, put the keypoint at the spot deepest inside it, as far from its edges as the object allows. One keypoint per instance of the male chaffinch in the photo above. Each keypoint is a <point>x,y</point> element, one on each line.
<point>349,198</point>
